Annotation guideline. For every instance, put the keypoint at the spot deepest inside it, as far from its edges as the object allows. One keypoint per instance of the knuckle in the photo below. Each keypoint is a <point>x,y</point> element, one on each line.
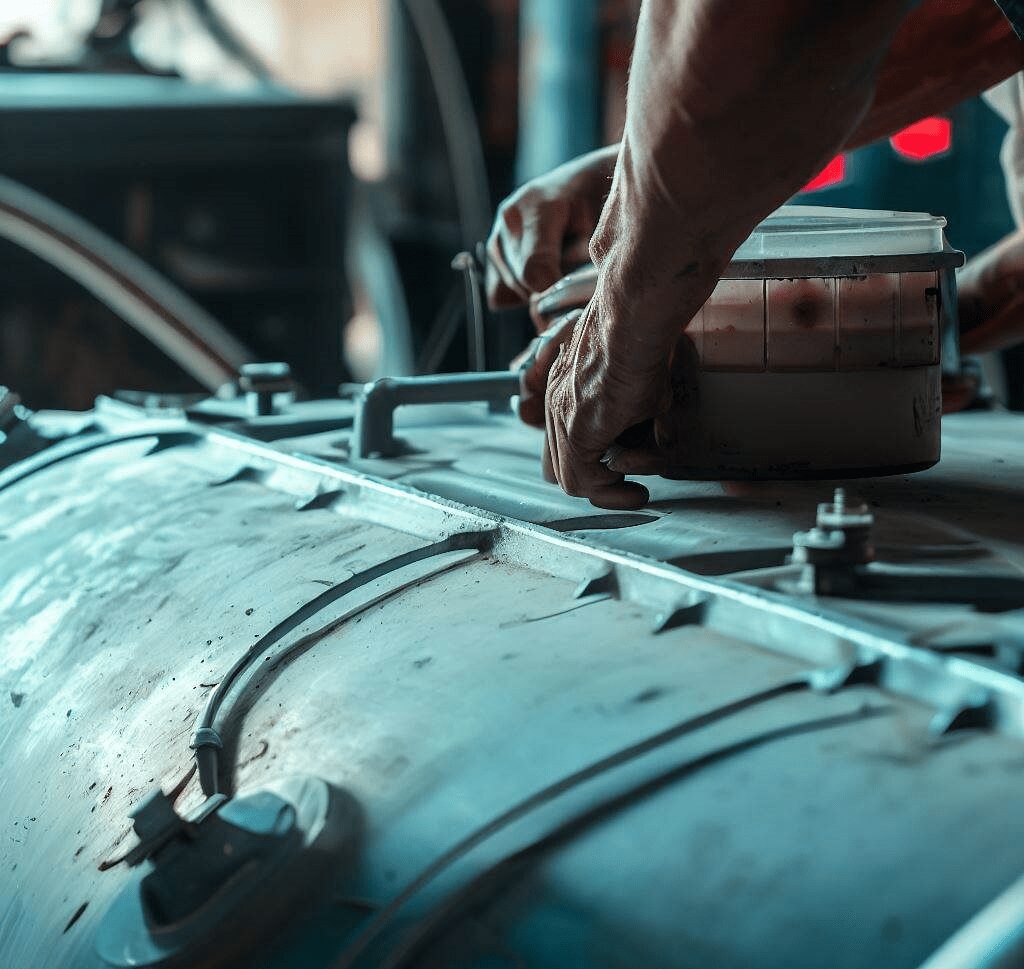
<point>528,195</point>
<point>539,205</point>
<point>509,215</point>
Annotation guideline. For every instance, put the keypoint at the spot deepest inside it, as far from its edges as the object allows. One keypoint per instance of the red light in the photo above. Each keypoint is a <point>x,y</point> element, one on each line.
<point>833,173</point>
<point>924,139</point>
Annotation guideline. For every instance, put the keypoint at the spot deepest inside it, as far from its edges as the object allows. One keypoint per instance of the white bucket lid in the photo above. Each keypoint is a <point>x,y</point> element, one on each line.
<point>817,232</point>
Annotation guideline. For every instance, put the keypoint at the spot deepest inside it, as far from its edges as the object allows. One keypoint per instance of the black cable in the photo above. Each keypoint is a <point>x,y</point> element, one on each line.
<point>146,300</point>
<point>492,878</point>
<point>547,794</point>
<point>458,119</point>
<point>206,742</point>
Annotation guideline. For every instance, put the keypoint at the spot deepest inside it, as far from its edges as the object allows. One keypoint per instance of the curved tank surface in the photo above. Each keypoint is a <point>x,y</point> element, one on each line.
<point>265,704</point>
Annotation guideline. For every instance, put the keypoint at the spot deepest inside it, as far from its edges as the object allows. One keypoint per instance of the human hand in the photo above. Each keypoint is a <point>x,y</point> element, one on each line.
<point>991,297</point>
<point>535,365</point>
<point>535,362</point>
<point>598,391</point>
<point>543,230</point>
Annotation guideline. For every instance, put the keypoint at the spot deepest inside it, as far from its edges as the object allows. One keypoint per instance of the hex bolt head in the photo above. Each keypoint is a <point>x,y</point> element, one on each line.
<point>260,381</point>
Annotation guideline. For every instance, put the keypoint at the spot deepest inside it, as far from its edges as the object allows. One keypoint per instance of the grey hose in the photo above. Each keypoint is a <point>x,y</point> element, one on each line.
<point>458,119</point>
<point>123,282</point>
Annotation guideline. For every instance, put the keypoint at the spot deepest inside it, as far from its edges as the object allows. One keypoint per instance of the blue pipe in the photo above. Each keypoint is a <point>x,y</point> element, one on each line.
<point>559,83</point>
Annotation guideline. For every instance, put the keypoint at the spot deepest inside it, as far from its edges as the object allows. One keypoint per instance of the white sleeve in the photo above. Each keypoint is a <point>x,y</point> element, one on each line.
<point>1007,99</point>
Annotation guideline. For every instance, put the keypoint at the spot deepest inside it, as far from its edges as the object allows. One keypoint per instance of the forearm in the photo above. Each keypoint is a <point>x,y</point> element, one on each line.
<point>943,53</point>
<point>733,105</point>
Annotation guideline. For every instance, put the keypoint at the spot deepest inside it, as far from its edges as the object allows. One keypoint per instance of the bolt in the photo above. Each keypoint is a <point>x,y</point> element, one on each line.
<point>841,537</point>
<point>839,514</point>
<point>839,501</point>
<point>464,262</point>
<point>260,381</point>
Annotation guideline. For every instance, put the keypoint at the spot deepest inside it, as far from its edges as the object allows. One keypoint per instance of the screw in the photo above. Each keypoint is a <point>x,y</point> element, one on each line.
<point>261,381</point>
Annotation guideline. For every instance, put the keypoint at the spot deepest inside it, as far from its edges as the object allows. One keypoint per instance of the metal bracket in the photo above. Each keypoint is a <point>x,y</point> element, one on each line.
<point>156,824</point>
<point>373,432</point>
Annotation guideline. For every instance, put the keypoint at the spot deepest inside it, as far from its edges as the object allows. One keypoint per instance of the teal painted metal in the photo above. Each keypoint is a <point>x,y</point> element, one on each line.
<point>568,745</point>
<point>559,87</point>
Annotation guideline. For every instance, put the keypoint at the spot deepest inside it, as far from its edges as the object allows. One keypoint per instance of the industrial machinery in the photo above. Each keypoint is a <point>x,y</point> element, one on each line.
<point>345,683</point>
<point>239,198</point>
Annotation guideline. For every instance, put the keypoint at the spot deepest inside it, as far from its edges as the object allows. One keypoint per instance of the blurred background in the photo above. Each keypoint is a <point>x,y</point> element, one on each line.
<point>306,171</point>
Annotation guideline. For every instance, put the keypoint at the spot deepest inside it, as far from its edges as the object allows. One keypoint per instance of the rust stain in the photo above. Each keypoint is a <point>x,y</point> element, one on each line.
<point>261,751</point>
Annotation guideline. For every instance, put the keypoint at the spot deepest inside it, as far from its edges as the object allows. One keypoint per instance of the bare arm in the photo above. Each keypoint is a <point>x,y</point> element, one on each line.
<point>944,52</point>
<point>733,105</point>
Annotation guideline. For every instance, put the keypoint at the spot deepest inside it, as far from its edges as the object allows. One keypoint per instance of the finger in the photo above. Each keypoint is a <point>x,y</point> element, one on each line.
<point>602,486</point>
<point>579,469</point>
<point>547,469</point>
<point>581,473</point>
<point>575,253</point>
<point>1002,331</point>
<point>502,289</point>
<point>531,410</point>
<point>536,259</point>
<point>550,436</point>
<point>540,321</point>
<point>499,296</point>
<point>525,359</point>
<point>545,350</point>
<point>636,460</point>
<point>624,496</point>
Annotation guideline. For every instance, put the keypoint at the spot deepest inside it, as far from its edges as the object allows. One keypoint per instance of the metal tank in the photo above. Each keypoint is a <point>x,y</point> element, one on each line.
<point>266,703</point>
